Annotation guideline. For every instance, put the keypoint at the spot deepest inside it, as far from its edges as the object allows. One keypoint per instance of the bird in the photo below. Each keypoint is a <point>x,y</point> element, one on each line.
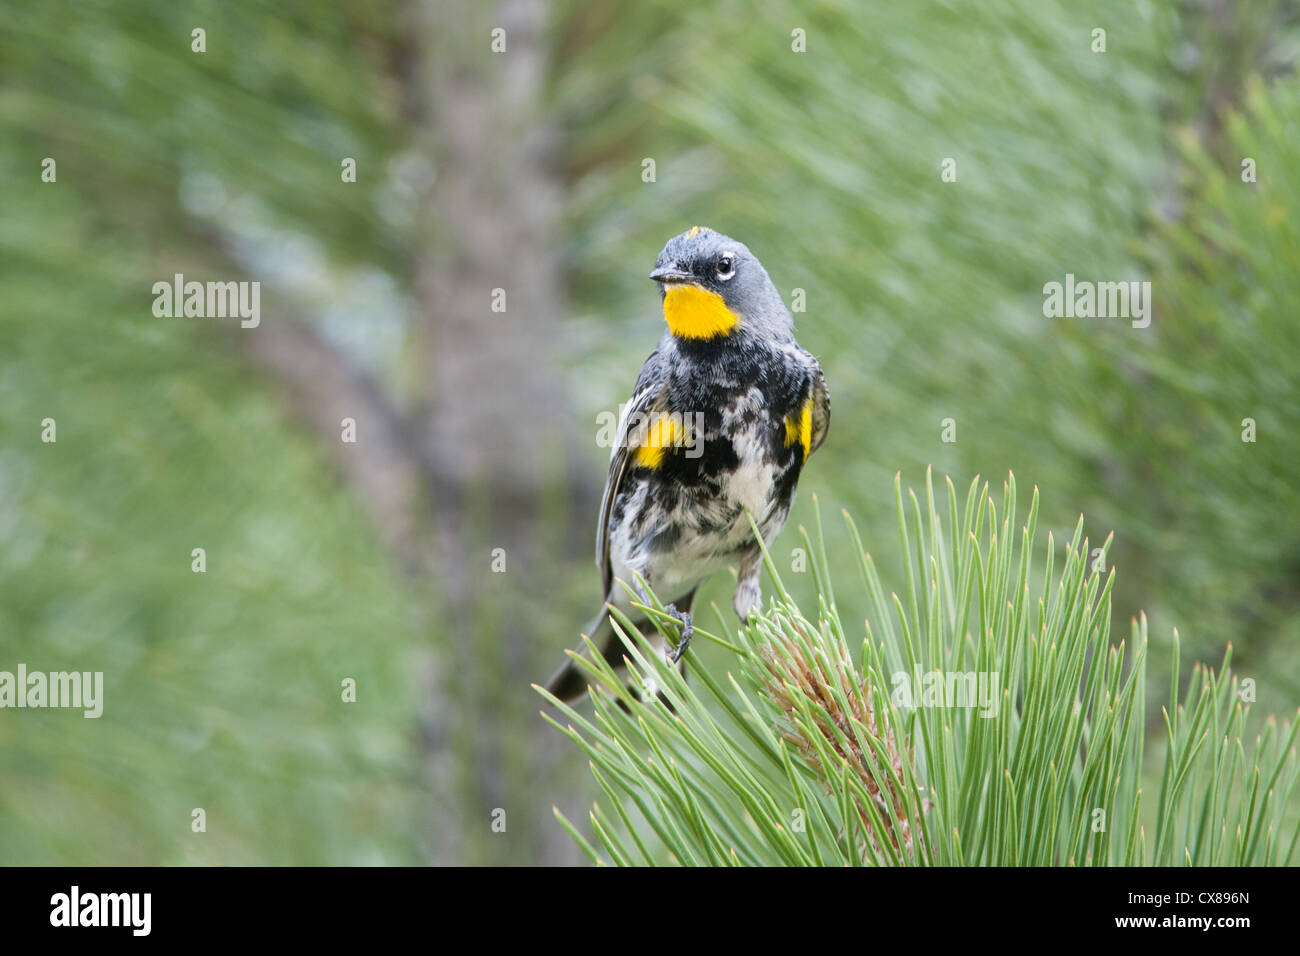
<point>724,415</point>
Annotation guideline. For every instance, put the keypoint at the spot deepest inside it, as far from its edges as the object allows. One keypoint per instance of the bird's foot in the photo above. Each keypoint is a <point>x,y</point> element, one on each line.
<point>686,631</point>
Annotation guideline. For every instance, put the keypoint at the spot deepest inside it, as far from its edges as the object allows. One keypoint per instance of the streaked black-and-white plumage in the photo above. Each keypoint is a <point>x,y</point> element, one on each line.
<point>723,417</point>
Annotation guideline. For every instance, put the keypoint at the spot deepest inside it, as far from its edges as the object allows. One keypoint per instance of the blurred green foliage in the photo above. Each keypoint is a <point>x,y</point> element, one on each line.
<point>223,690</point>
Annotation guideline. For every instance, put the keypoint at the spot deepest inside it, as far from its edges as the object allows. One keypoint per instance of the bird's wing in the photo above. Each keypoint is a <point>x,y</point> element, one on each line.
<point>648,388</point>
<point>821,410</point>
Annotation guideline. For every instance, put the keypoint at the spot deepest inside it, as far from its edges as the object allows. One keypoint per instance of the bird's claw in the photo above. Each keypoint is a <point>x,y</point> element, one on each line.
<point>683,618</point>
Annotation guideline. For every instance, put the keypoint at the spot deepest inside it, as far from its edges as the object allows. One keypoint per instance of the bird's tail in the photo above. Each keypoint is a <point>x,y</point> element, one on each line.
<point>569,683</point>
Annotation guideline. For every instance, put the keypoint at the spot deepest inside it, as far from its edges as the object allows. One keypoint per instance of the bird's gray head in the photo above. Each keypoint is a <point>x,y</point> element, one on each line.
<point>713,288</point>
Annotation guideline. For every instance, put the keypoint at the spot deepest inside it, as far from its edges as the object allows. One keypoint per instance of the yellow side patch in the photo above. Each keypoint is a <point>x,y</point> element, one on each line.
<point>798,428</point>
<point>664,433</point>
<point>695,313</point>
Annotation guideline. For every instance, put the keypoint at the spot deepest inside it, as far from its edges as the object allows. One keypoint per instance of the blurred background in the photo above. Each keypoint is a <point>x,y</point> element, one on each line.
<point>443,560</point>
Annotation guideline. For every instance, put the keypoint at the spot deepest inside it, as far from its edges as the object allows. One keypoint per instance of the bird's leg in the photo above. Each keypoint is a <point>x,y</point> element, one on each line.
<point>749,592</point>
<point>686,631</point>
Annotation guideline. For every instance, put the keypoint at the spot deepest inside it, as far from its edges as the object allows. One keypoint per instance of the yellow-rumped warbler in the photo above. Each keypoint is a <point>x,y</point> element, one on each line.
<point>725,412</point>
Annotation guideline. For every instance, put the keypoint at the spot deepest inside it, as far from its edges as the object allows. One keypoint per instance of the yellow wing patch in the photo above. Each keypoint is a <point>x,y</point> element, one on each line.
<point>695,313</point>
<point>798,428</point>
<point>663,433</point>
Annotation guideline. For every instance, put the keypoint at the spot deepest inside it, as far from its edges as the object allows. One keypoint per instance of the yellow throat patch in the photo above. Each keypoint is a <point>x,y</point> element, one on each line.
<point>695,313</point>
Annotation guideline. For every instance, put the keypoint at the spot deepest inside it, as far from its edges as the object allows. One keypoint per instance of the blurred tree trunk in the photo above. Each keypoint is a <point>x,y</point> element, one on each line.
<point>493,406</point>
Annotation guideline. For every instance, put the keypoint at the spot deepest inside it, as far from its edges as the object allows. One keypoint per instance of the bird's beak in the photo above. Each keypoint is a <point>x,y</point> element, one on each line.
<point>671,274</point>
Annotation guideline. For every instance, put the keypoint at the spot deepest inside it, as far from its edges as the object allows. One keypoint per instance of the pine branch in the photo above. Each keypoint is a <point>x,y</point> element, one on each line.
<point>1012,733</point>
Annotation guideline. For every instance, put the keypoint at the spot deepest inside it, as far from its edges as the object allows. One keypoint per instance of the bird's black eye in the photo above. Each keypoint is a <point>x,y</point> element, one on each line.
<point>726,267</point>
